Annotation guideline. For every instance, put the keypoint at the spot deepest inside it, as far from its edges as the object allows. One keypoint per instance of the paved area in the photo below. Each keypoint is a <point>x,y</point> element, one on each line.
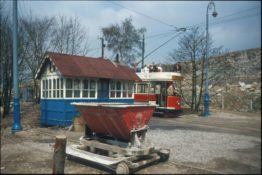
<point>223,143</point>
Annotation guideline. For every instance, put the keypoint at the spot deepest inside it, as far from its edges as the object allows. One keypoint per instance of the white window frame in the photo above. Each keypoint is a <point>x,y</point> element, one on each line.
<point>122,83</point>
<point>49,90</point>
<point>89,88</point>
<point>81,88</point>
<point>147,89</point>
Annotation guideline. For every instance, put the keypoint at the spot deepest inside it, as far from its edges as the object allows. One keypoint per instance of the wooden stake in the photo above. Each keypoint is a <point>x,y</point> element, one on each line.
<point>59,155</point>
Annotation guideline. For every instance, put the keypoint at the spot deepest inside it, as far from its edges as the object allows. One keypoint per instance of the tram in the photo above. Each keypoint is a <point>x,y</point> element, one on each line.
<point>161,88</point>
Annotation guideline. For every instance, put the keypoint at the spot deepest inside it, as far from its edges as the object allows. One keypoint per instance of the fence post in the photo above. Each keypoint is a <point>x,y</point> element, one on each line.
<point>59,154</point>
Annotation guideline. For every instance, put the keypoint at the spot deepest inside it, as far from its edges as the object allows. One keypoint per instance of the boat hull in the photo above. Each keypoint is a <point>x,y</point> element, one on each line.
<point>114,119</point>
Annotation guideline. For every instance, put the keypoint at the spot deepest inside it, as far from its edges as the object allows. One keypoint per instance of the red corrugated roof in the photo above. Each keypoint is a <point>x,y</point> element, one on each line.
<point>80,66</point>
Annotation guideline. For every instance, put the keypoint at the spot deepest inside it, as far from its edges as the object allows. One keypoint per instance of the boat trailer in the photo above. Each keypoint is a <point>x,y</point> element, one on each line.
<point>125,153</point>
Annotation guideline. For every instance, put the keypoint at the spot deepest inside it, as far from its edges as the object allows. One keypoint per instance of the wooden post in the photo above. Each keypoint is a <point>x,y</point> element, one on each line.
<point>59,154</point>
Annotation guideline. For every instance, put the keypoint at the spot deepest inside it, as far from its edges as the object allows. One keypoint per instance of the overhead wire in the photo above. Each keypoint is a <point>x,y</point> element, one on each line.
<point>163,44</point>
<point>234,19</point>
<point>173,37</point>
<point>142,14</point>
<point>219,18</point>
<point>216,22</point>
<point>188,27</point>
<point>161,37</point>
<point>160,34</point>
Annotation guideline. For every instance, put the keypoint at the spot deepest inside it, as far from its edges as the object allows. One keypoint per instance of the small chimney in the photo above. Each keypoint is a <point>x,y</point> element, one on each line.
<point>117,58</point>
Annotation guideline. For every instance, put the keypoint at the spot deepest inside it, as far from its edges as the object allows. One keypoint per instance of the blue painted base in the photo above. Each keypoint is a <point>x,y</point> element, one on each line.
<point>59,112</point>
<point>206,105</point>
<point>16,117</point>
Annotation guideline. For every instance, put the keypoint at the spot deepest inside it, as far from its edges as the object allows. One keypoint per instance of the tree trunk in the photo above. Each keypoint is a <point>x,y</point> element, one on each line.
<point>36,94</point>
<point>193,105</point>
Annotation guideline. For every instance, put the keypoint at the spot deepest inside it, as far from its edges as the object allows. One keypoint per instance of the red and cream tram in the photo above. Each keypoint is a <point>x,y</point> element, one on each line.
<point>161,88</point>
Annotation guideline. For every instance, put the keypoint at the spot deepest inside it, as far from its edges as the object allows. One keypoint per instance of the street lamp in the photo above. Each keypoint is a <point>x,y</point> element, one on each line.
<point>210,5</point>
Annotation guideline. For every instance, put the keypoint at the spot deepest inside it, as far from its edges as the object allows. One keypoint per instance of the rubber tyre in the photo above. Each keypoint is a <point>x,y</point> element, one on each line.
<point>122,168</point>
<point>164,155</point>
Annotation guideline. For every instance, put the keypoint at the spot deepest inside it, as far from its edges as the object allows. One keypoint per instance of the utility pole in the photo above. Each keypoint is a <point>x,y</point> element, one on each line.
<point>103,46</point>
<point>2,66</point>
<point>143,51</point>
<point>206,96</point>
<point>16,114</point>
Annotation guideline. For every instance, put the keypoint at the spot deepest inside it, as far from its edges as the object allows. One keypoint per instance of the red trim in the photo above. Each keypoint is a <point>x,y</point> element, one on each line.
<point>144,97</point>
<point>174,101</point>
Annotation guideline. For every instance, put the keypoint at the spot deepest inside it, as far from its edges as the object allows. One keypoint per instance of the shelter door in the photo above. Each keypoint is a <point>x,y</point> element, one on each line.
<point>103,88</point>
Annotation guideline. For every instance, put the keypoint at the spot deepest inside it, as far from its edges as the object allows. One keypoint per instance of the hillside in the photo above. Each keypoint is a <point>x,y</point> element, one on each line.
<point>234,81</point>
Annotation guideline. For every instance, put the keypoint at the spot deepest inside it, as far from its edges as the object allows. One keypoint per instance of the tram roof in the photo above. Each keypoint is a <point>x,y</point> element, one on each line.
<point>159,76</point>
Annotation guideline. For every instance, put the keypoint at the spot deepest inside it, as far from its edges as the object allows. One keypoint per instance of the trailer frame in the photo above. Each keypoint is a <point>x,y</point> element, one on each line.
<point>121,156</point>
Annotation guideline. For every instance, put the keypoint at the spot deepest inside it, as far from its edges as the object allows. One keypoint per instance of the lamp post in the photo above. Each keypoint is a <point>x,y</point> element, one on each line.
<point>210,5</point>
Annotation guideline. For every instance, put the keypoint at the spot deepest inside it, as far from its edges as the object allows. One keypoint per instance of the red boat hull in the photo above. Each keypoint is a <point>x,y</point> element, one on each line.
<point>117,120</point>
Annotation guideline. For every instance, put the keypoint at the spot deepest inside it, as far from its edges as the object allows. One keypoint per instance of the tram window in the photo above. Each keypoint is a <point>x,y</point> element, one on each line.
<point>142,88</point>
<point>157,89</point>
<point>152,90</point>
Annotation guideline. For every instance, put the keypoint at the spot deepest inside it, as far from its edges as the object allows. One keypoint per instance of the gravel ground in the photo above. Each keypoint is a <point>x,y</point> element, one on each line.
<point>200,147</point>
<point>192,141</point>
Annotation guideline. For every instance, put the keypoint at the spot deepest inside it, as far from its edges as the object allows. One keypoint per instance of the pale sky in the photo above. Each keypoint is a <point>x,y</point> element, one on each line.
<point>237,26</point>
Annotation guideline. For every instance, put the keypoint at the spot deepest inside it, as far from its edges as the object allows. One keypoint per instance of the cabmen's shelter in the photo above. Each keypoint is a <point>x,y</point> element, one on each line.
<point>70,78</point>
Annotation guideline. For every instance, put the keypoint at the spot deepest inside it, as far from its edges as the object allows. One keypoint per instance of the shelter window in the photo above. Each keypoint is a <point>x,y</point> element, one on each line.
<point>54,88</point>
<point>72,88</point>
<point>44,88</point>
<point>85,88</point>
<point>120,89</point>
<point>89,88</point>
<point>49,88</point>
<point>69,87</point>
<point>127,89</point>
<point>62,87</point>
<point>57,87</point>
<point>92,88</point>
<point>76,88</point>
<point>112,89</point>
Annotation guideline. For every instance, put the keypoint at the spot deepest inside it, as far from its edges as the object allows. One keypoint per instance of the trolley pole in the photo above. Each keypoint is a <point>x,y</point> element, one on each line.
<point>16,114</point>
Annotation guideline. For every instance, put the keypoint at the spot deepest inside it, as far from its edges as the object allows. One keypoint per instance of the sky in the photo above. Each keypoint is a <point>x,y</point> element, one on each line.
<point>237,26</point>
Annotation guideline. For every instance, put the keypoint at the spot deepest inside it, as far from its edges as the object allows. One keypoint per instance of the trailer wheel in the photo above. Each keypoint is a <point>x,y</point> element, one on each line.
<point>164,155</point>
<point>122,168</point>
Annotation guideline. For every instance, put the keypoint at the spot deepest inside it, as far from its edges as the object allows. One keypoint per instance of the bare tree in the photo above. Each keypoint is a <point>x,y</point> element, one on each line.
<point>69,36</point>
<point>6,64</point>
<point>191,54</point>
<point>37,34</point>
<point>191,50</point>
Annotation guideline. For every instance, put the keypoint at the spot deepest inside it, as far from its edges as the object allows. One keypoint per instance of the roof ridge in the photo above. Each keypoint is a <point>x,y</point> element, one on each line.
<point>65,54</point>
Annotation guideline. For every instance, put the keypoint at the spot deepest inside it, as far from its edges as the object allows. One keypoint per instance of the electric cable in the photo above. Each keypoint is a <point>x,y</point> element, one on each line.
<point>162,22</point>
